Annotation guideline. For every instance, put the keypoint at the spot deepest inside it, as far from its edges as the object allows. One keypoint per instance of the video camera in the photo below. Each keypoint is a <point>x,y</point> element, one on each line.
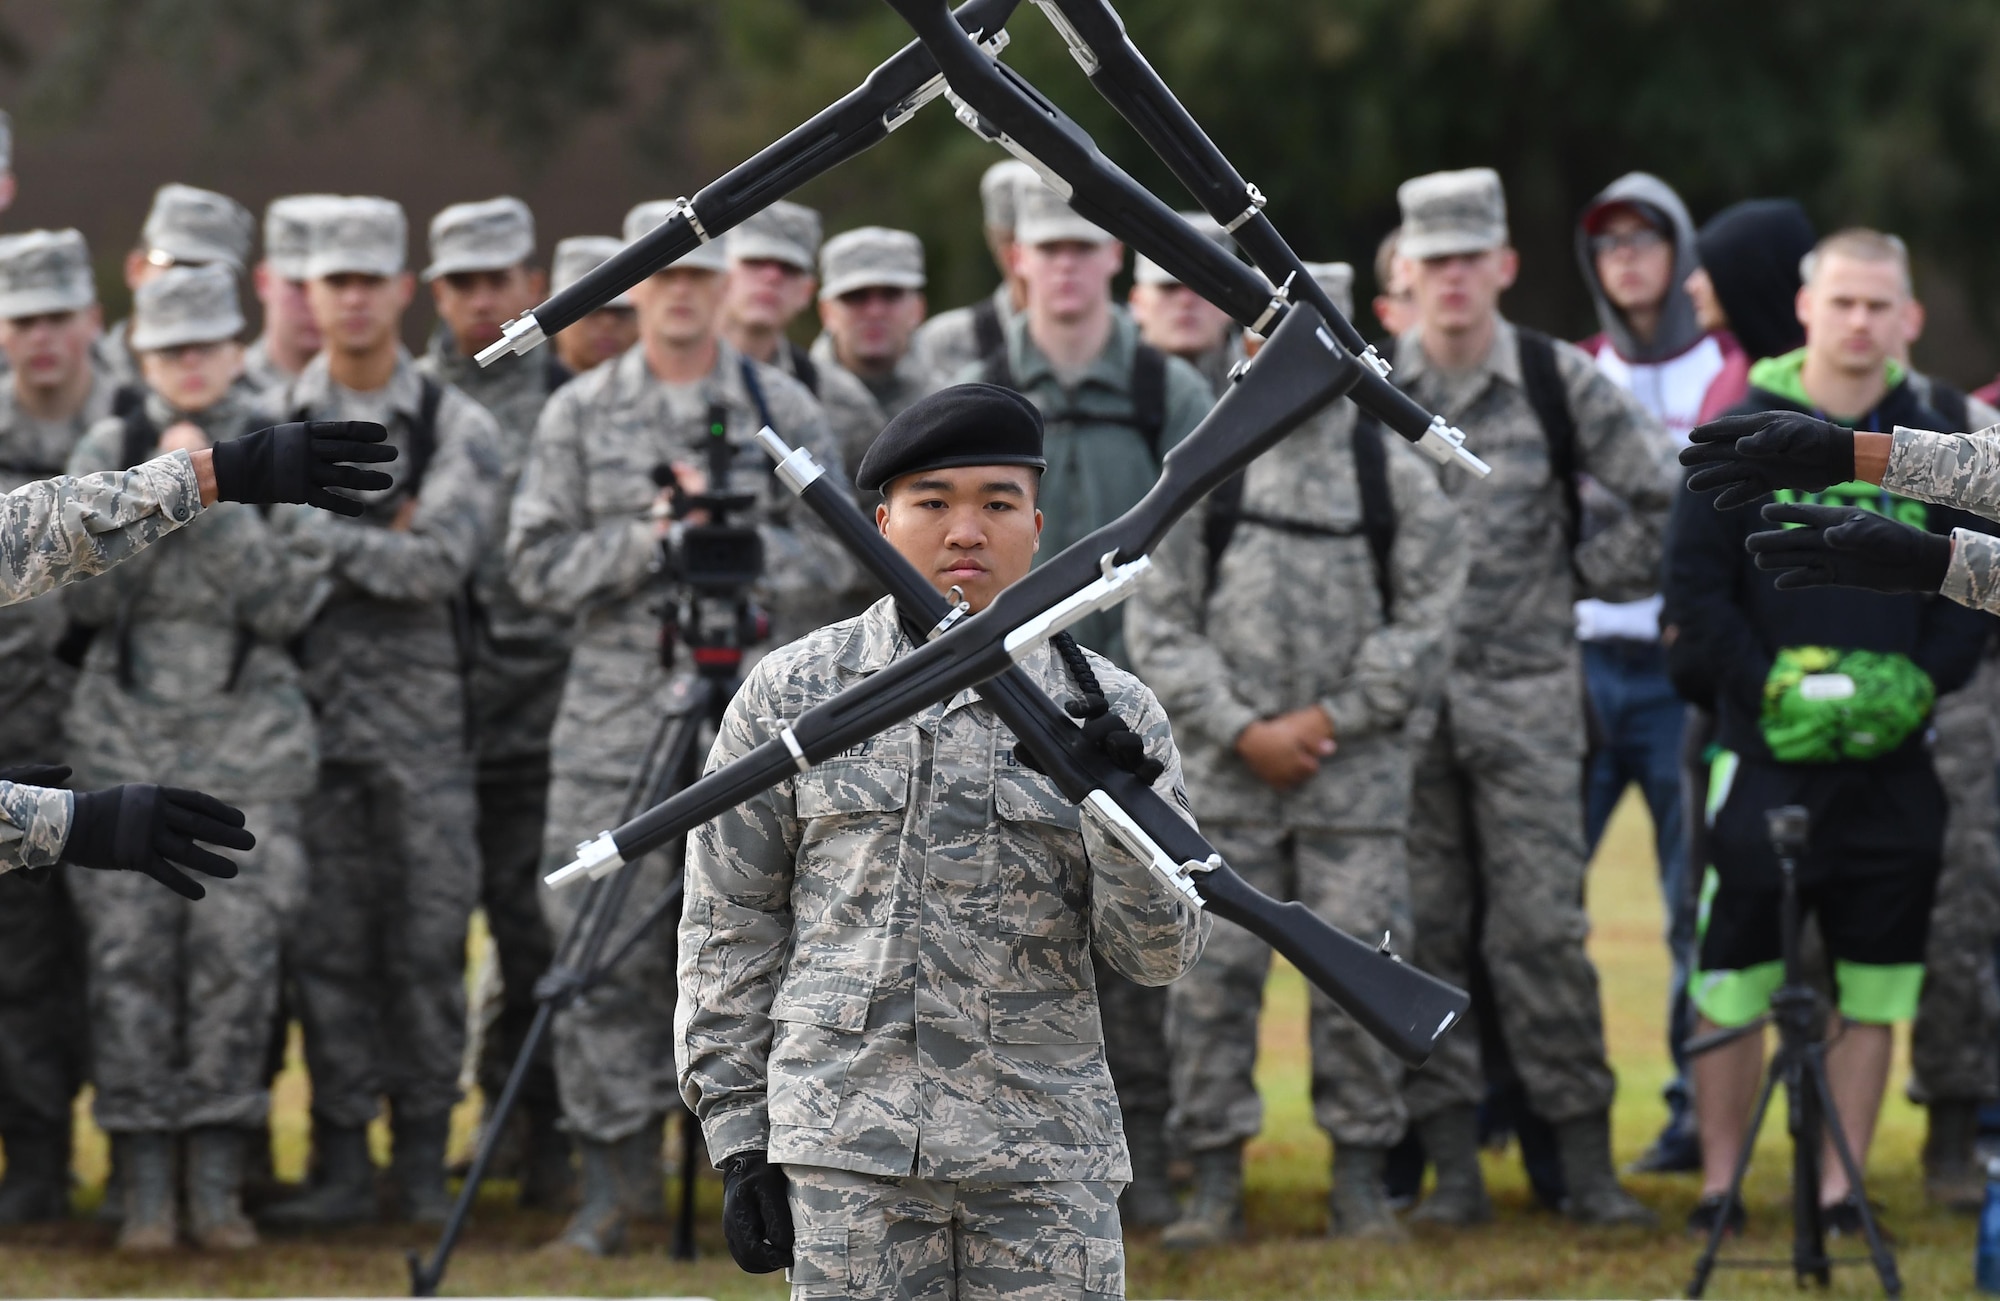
<point>711,566</point>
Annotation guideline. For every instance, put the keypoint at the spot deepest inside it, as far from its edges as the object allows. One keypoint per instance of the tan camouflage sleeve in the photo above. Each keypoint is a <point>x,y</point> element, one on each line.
<point>1623,447</point>
<point>34,825</point>
<point>457,511</point>
<point>1164,624</point>
<point>1961,470</point>
<point>1973,579</point>
<point>1397,665</point>
<point>735,936</point>
<point>558,558</point>
<point>55,531</point>
<point>1146,931</point>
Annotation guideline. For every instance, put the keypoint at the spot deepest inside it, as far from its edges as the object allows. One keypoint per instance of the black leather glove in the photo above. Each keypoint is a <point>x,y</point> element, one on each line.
<point>756,1218</point>
<point>1845,546</point>
<point>1749,456</point>
<point>148,828</point>
<point>299,462</point>
<point>1109,733</point>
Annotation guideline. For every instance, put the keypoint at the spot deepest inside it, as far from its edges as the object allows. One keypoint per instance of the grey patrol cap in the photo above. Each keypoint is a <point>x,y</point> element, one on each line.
<point>1042,217</point>
<point>491,235</point>
<point>785,232</point>
<point>197,226</point>
<point>1451,213</point>
<point>1145,271</point>
<point>186,304</point>
<point>288,233</point>
<point>870,257</point>
<point>1336,279</point>
<point>579,255</point>
<point>44,271</point>
<point>645,216</point>
<point>996,192</point>
<point>357,235</point>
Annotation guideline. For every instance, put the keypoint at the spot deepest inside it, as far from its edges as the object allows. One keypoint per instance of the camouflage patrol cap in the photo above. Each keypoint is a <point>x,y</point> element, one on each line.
<point>186,305</point>
<point>996,192</point>
<point>577,257</point>
<point>1337,280</point>
<point>870,257</point>
<point>44,271</point>
<point>643,217</point>
<point>1145,271</point>
<point>1042,217</point>
<point>357,234</point>
<point>491,235</point>
<point>784,232</point>
<point>197,226</point>
<point>288,233</point>
<point>1447,213</point>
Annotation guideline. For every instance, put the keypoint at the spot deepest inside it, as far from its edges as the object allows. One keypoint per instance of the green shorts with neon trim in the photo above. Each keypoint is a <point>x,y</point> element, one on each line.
<point>1873,917</point>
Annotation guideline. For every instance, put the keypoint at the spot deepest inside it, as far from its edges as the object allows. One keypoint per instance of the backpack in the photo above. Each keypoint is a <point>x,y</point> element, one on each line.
<point>1148,388</point>
<point>989,332</point>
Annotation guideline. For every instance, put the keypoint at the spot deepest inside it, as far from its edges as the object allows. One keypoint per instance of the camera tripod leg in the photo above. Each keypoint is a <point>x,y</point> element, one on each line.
<point>1879,1254</point>
<point>1733,1197</point>
<point>1808,1128</point>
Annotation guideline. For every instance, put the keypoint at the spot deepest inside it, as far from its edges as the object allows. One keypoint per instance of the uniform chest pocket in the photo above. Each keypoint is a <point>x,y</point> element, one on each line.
<point>1041,875</point>
<point>852,816</point>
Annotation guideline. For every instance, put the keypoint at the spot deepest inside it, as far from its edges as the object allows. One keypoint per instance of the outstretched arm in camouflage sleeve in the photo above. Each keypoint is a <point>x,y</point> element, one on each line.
<point>59,530</point>
<point>34,825</point>
<point>1624,448</point>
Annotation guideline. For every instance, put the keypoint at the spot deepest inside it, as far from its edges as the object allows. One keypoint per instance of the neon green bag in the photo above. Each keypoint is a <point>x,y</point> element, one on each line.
<point>1892,698</point>
<point>1801,723</point>
<point>1823,705</point>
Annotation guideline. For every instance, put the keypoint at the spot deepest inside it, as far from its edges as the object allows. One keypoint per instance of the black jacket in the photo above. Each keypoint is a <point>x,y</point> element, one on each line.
<point>1733,620</point>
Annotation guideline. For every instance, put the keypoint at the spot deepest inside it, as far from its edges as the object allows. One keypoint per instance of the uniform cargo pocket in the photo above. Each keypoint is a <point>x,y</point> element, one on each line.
<point>819,1263</point>
<point>1050,1081</point>
<point>818,1017</point>
<point>1104,1266</point>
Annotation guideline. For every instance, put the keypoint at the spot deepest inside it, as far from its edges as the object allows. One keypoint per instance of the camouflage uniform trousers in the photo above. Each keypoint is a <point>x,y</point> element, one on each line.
<point>857,1235</point>
<point>182,992</point>
<point>44,1048</point>
<point>1356,881</point>
<point>379,952</point>
<point>614,1046</point>
<point>1955,1042</point>
<point>1497,812</point>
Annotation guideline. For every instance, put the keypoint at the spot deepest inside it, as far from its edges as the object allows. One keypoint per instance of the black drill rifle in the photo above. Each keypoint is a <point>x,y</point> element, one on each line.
<point>848,127</point>
<point>1406,1009</point>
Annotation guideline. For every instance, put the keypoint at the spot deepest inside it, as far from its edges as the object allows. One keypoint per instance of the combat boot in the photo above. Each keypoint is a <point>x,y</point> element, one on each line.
<point>1359,1204</point>
<point>642,1171</point>
<point>548,1179</point>
<point>416,1167</point>
<point>344,1192</point>
<point>1214,1214</point>
<point>36,1187</point>
<point>214,1188</point>
<point>1595,1195</point>
<point>1952,1177</point>
<point>1147,1202</point>
<point>147,1161</point>
<point>597,1228</point>
<point>1451,1140</point>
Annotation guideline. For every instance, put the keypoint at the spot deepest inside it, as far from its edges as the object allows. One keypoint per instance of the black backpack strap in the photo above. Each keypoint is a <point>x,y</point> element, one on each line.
<point>803,368</point>
<point>1378,508</point>
<point>1225,512</point>
<point>989,333</point>
<point>126,399</point>
<point>1952,404</point>
<point>1149,396</point>
<point>423,434</point>
<point>755,388</point>
<point>1541,380</point>
<point>142,437</point>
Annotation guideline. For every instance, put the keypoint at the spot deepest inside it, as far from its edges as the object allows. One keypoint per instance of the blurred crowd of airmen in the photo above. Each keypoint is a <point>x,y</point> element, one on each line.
<point>1377,718</point>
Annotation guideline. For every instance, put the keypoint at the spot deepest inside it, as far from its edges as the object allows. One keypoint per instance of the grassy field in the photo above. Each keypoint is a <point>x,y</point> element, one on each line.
<point>1527,1253</point>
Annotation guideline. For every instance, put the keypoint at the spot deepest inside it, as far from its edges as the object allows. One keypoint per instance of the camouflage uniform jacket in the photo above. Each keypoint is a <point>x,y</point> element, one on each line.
<point>60,530</point>
<point>1295,620</point>
<point>913,378</point>
<point>580,543</point>
<point>1099,464</point>
<point>885,962</point>
<point>852,412</point>
<point>385,640</point>
<point>260,372</point>
<point>948,342</point>
<point>30,450</point>
<point>1516,621</point>
<point>200,623</point>
<point>513,393</point>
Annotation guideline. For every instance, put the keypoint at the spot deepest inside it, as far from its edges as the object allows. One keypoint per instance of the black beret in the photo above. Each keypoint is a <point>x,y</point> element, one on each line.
<point>966,424</point>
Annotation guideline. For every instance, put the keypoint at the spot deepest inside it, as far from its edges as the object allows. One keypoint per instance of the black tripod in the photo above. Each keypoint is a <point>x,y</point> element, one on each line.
<point>712,565</point>
<point>1800,1065</point>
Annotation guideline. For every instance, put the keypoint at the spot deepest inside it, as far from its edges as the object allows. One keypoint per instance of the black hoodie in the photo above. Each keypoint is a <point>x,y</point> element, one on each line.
<point>1751,251</point>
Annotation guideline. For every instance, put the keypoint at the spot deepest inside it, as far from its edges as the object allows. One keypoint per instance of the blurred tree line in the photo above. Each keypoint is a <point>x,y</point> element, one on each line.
<point>1885,114</point>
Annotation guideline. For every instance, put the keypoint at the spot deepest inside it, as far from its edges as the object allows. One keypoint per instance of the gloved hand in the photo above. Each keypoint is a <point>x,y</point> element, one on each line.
<point>1892,698</point>
<point>148,828</point>
<point>1849,547</point>
<point>1748,456</point>
<point>299,462</point>
<point>35,774</point>
<point>1802,724</point>
<point>1109,733</point>
<point>756,1218</point>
